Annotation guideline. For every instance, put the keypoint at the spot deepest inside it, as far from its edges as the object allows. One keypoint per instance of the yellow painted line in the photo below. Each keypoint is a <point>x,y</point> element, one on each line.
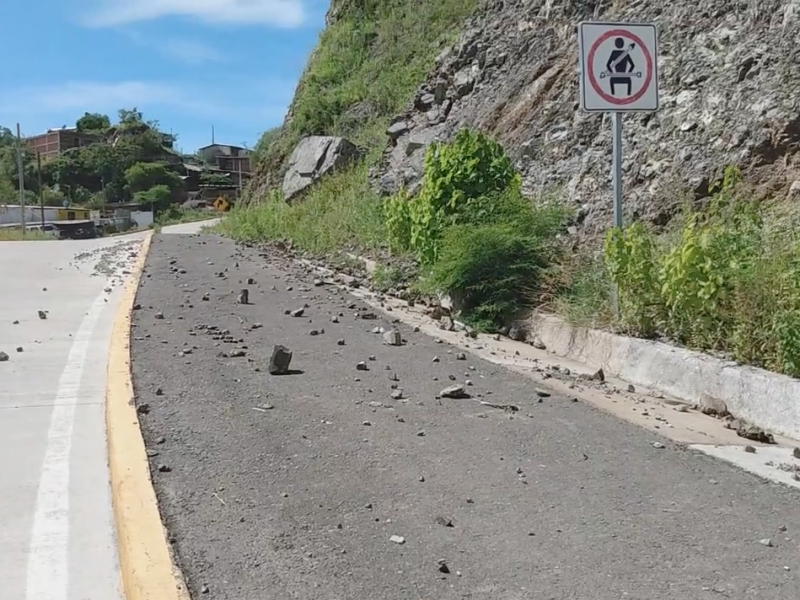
<point>146,563</point>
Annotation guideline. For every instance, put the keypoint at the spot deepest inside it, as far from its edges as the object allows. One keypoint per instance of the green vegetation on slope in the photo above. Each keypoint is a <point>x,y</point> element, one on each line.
<point>724,279</point>
<point>364,70</point>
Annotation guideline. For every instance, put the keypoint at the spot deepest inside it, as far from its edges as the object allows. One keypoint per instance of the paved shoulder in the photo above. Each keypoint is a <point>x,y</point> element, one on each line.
<point>352,478</point>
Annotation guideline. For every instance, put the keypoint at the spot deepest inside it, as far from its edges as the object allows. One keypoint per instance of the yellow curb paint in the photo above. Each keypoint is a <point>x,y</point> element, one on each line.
<point>146,563</point>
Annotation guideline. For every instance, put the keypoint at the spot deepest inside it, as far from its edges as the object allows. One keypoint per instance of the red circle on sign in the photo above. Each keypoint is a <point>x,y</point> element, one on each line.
<point>593,79</point>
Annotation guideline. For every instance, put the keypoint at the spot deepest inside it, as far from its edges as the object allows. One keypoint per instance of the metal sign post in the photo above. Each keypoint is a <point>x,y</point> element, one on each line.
<point>618,74</point>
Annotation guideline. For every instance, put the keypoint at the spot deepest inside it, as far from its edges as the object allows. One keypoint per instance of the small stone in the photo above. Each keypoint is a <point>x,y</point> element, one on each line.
<point>453,391</point>
<point>444,521</point>
<point>421,433</point>
<point>766,542</point>
<point>164,469</point>
<point>435,359</point>
<point>631,388</point>
<point>362,366</point>
<point>318,282</point>
<point>280,360</point>
<point>542,393</point>
<point>298,313</point>
<point>243,297</point>
<point>397,395</point>
<point>204,589</point>
<point>393,338</point>
<point>313,332</point>
<point>206,297</point>
<point>658,445</point>
<point>161,440</point>
<point>366,424</point>
<point>159,392</point>
<point>461,356</point>
<point>143,409</point>
<point>334,319</point>
<point>796,453</point>
<point>340,342</point>
<point>750,449</point>
<point>43,315</point>
<point>3,357</point>
<point>397,539</point>
<point>237,353</point>
<point>598,375</point>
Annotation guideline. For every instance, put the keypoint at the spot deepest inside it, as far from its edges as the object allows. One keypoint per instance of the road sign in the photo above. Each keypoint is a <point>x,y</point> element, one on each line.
<point>619,67</point>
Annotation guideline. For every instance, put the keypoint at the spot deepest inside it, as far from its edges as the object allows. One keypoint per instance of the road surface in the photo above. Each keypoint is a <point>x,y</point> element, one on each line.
<point>56,522</point>
<point>336,482</point>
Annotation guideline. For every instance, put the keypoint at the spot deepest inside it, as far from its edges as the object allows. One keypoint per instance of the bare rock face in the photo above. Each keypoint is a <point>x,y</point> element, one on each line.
<point>312,158</point>
<point>728,97</point>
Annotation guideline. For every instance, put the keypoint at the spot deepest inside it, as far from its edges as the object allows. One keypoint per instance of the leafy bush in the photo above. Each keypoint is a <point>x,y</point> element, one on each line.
<point>459,186</point>
<point>729,282</point>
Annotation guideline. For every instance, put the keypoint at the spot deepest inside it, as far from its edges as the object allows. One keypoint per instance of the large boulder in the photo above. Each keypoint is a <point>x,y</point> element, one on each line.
<point>314,157</point>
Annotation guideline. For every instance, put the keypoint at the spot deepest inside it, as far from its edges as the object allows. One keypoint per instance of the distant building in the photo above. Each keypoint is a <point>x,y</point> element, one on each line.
<point>226,157</point>
<point>57,141</point>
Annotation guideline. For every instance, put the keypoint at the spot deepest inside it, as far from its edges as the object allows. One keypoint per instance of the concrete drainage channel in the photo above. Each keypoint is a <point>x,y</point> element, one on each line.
<point>650,384</point>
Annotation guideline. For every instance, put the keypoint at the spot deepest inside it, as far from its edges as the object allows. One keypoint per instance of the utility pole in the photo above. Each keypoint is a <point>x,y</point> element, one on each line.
<point>21,182</point>
<point>41,191</point>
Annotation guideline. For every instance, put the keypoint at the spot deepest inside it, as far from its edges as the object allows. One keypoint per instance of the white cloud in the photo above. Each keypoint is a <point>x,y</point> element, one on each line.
<point>281,13</point>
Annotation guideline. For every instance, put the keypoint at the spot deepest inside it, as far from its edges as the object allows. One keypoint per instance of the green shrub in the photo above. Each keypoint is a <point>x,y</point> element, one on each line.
<point>630,261</point>
<point>398,221</point>
<point>460,182</point>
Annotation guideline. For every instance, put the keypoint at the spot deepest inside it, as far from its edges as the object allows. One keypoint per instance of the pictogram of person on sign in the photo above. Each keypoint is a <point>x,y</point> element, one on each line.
<point>620,66</point>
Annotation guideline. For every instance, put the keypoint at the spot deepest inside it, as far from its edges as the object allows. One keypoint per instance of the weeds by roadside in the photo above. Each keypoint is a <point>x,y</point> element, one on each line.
<point>12,234</point>
<point>177,215</point>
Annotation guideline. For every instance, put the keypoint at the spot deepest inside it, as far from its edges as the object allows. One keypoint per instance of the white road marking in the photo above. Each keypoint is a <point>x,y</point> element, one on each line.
<point>48,558</point>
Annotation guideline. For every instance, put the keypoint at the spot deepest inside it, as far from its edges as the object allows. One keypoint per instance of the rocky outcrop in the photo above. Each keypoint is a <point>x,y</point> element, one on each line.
<point>312,158</point>
<point>729,95</point>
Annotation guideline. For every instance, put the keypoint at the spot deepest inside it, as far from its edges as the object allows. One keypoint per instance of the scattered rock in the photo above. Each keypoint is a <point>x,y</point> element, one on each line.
<point>164,469</point>
<point>42,315</point>
<point>243,297</point>
<point>393,338</point>
<point>631,388</point>
<point>340,342</point>
<point>312,158</point>
<point>658,445</point>
<point>159,315</point>
<point>538,344</point>
<point>461,356</point>
<point>397,539</point>
<point>397,394</point>
<point>750,449</point>
<point>766,542</point>
<point>143,408</point>
<point>709,405</point>
<point>362,366</point>
<point>454,391</point>
<point>443,568</point>
<point>446,323</point>
<point>796,452</point>
<point>237,353</point>
<point>314,332</point>
<point>280,360</point>
<point>754,433</point>
<point>298,313</point>
<point>3,357</point>
<point>542,393</point>
<point>444,521</point>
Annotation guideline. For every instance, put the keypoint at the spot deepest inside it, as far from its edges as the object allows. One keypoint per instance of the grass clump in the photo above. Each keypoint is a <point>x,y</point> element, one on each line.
<point>15,234</point>
<point>333,216</point>
<point>175,215</point>
<point>364,70</point>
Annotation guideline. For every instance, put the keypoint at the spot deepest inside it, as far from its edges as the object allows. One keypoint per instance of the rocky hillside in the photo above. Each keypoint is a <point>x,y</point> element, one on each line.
<point>729,94</point>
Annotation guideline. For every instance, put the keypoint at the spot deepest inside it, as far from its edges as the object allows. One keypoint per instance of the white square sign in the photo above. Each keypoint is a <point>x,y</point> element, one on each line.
<point>619,66</point>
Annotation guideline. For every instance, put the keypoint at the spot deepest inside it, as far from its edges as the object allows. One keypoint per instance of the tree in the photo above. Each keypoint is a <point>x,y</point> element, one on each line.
<point>93,123</point>
<point>142,176</point>
<point>159,197</point>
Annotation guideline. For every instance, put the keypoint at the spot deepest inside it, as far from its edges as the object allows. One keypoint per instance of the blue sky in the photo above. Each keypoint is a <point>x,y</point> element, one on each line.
<point>189,64</point>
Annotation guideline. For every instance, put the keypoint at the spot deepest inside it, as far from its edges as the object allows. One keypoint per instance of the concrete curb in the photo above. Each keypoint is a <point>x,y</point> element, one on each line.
<point>766,399</point>
<point>146,563</point>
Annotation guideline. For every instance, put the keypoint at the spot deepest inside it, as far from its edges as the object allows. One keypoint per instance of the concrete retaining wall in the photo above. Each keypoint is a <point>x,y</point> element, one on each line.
<point>765,399</point>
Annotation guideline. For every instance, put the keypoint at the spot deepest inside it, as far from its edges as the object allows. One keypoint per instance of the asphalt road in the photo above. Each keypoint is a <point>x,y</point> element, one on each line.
<point>56,525</point>
<point>289,487</point>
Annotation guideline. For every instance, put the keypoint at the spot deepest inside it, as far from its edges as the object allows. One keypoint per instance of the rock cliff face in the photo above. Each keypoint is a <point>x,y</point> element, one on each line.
<point>730,94</point>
